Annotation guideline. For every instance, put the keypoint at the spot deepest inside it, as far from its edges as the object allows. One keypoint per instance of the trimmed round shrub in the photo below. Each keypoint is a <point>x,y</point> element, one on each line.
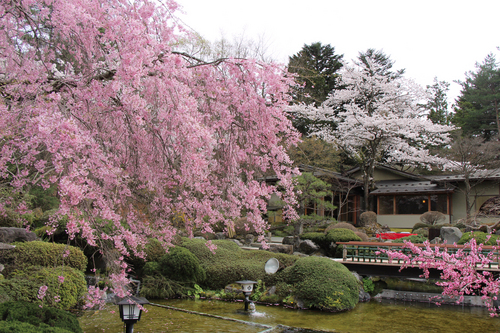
<point>40,318</point>
<point>342,225</point>
<point>181,265</point>
<point>367,218</point>
<point>324,284</point>
<point>422,232</point>
<point>418,226</point>
<point>340,235</point>
<point>480,237</point>
<point>24,286</point>
<point>46,254</point>
<point>362,235</point>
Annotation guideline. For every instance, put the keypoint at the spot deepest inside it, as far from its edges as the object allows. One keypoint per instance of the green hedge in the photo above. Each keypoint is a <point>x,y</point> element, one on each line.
<point>480,237</point>
<point>20,327</point>
<point>324,284</point>
<point>46,254</point>
<point>320,282</point>
<point>29,317</point>
<point>230,263</point>
<point>418,239</point>
<point>24,286</point>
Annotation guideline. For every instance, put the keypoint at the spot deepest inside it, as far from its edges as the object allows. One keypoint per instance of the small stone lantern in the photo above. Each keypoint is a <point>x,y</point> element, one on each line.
<point>247,287</point>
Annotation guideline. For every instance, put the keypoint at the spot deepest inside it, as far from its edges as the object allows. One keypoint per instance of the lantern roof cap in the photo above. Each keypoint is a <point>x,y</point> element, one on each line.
<point>246,282</point>
<point>130,300</point>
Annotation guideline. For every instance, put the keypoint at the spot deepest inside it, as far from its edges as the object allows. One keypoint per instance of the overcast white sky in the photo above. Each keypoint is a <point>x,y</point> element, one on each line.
<point>429,38</point>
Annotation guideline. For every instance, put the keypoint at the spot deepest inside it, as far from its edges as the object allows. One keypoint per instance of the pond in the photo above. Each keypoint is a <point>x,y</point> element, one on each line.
<point>374,316</point>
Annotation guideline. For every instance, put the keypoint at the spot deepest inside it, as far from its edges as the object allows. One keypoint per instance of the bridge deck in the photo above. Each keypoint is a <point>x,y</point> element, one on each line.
<point>367,253</point>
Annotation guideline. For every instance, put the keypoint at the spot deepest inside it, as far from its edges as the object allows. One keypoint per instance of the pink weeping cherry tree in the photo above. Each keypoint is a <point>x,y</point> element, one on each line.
<point>96,101</point>
<point>462,272</point>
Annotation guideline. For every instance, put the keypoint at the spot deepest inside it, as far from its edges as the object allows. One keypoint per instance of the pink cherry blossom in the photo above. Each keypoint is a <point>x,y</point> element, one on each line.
<point>137,136</point>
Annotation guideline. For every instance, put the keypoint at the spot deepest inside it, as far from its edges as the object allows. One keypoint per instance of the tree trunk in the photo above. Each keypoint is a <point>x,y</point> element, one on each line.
<point>468,205</point>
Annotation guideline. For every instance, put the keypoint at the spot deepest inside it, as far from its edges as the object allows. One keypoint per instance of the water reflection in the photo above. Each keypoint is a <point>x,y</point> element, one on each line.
<point>375,316</point>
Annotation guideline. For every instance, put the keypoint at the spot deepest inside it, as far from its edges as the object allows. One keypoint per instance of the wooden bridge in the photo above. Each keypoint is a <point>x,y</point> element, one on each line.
<point>366,258</point>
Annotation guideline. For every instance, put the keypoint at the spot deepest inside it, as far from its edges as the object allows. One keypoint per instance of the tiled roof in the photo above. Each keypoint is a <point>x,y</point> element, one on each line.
<point>407,186</point>
<point>480,174</point>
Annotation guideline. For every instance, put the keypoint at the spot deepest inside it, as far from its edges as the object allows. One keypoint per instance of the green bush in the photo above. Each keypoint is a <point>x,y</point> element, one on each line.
<point>151,268</point>
<point>480,237</point>
<point>45,254</point>
<point>158,286</point>
<point>341,225</point>
<point>418,226</point>
<point>24,286</point>
<point>230,263</point>
<point>422,232</point>
<point>418,239</point>
<point>324,284</point>
<point>43,319</point>
<point>340,235</point>
<point>154,251</point>
<point>20,327</point>
<point>181,265</point>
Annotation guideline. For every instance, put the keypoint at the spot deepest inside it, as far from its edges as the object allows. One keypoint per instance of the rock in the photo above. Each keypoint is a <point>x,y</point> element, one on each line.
<point>249,239</point>
<point>364,296</point>
<point>436,240</point>
<point>10,235</point>
<point>279,248</point>
<point>357,276</point>
<point>308,246</point>
<point>288,240</point>
<point>237,242</point>
<point>450,235</point>
<point>220,235</point>
<point>272,290</point>
<point>4,246</point>
<point>1,267</point>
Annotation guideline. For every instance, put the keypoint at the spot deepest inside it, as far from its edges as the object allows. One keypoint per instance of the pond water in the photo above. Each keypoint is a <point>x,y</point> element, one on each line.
<point>374,316</point>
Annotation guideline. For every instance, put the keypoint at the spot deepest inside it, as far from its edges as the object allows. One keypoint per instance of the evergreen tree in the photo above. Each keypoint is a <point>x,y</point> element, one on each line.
<point>478,106</point>
<point>437,103</point>
<point>383,61</point>
<point>315,67</point>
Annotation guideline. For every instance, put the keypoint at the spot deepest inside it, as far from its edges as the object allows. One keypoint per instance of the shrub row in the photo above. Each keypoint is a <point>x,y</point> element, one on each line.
<point>46,254</point>
<point>480,237</point>
<point>28,317</point>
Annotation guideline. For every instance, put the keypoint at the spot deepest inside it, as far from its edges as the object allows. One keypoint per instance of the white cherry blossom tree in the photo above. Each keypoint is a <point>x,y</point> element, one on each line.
<point>377,118</point>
